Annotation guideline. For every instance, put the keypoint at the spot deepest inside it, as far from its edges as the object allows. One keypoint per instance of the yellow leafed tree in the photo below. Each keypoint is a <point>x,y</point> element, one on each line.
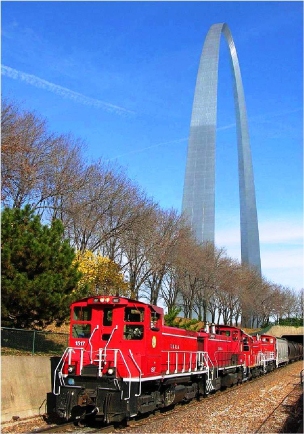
<point>100,275</point>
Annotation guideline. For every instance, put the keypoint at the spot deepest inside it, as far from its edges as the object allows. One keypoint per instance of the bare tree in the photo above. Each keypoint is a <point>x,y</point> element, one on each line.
<point>209,262</point>
<point>137,244</point>
<point>161,258</point>
<point>189,275</point>
<point>38,167</point>
<point>26,149</point>
<point>299,309</point>
<point>291,302</point>
<point>172,282</point>
<point>228,290</point>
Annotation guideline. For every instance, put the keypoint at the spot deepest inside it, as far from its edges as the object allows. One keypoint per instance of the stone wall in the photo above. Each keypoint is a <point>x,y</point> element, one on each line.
<point>26,383</point>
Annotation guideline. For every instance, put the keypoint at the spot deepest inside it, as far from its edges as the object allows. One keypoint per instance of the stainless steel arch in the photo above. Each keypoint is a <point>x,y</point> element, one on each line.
<point>199,184</point>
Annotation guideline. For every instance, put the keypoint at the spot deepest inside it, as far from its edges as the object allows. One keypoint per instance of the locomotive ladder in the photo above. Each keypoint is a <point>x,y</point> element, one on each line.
<point>210,373</point>
<point>263,358</point>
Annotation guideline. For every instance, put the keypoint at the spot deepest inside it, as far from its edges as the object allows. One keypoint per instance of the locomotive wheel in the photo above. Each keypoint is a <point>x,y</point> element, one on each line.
<point>122,424</point>
<point>169,396</point>
<point>80,423</point>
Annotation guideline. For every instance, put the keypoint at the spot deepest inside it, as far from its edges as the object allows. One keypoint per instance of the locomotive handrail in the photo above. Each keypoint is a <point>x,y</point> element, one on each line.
<point>126,365</point>
<point>264,357</point>
<point>226,359</point>
<point>198,356</point>
<point>117,351</point>
<point>105,348</point>
<point>139,370</point>
<point>96,328</point>
<point>99,362</point>
<point>81,359</point>
<point>207,360</point>
<point>66,353</point>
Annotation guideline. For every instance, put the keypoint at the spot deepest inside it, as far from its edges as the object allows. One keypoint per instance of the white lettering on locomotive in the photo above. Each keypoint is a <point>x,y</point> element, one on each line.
<point>79,343</point>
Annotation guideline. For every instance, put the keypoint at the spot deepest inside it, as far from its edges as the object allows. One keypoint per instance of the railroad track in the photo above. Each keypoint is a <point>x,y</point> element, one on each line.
<point>289,409</point>
<point>71,427</point>
<point>141,421</point>
<point>162,414</point>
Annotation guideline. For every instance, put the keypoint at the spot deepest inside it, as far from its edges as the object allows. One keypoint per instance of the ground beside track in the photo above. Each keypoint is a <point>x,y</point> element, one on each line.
<point>270,405</point>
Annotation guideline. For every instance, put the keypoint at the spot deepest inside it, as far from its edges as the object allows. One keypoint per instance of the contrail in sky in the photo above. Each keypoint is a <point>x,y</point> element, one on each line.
<point>136,151</point>
<point>62,91</point>
<point>224,127</point>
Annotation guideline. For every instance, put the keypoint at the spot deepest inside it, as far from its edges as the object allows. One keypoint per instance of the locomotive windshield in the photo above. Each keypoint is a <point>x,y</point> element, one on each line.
<point>82,313</point>
<point>82,329</point>
<point>107,316</point>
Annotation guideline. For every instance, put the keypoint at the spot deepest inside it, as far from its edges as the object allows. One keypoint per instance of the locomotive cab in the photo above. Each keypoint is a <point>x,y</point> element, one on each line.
<point>101,325</point>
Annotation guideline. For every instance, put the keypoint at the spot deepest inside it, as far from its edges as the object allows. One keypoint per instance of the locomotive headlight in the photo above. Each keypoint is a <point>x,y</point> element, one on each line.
<point>71,369</point>
<point>111,371</point>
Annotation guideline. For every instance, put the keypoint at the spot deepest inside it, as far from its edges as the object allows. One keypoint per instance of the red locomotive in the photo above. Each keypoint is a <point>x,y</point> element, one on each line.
<point>122,360</point>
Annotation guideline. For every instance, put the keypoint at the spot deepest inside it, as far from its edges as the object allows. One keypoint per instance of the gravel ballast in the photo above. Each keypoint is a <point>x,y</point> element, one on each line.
<point>269,405</point>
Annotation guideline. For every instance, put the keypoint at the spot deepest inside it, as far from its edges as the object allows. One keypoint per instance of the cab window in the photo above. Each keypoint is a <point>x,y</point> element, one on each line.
<point>134,314</point>
<point>246,344</point>
<point>107,317</point>
<point>155,321</point>
<point>132,328</point>
<point>82,313</point>
<point>81,330</point>
<point>225,333</point>
<point>133,332</point>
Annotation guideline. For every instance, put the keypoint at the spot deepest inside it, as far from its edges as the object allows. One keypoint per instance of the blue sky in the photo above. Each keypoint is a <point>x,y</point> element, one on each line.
<point>121,75</point>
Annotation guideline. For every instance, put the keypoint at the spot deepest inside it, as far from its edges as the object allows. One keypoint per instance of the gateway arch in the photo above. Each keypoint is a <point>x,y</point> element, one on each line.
<point>199,185</point>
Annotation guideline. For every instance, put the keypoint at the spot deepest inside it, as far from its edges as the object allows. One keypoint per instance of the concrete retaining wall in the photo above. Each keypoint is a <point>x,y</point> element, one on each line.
<point>25,383</point>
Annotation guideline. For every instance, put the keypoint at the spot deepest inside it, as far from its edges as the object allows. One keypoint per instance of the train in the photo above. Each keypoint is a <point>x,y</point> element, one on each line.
<point>123,361</point>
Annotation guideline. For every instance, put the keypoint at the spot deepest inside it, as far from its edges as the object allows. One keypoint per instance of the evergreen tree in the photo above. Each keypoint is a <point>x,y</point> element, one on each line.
<point>37,270</point>
<point>171,316</point>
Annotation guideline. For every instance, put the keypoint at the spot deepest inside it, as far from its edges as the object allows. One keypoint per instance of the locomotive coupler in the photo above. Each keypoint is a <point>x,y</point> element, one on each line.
<point>91,413</point>
<point>84,400</point>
